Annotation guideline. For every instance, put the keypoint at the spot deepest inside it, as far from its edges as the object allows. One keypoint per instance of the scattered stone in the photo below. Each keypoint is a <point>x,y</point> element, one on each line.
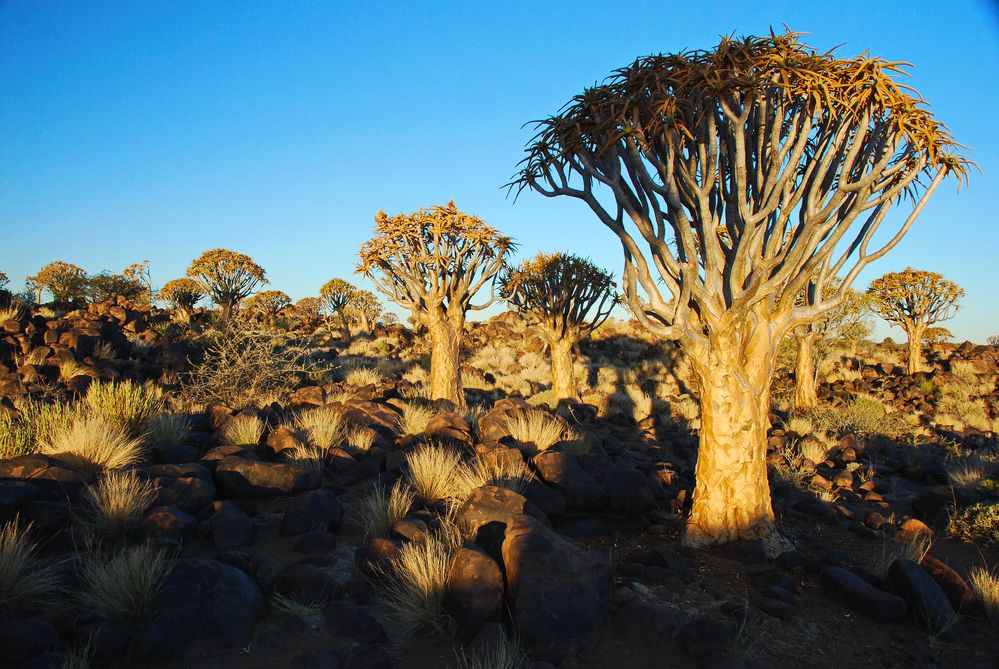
<point>563,472</point>
<point>231,528</point>
<point>927,602</point>
<point>474,591</point>
<point>347,619</point>
<point>304,583</point>
<point>242,477</point>
<point>705,635</point>
<point>860,596</point>
<point>312,510</point>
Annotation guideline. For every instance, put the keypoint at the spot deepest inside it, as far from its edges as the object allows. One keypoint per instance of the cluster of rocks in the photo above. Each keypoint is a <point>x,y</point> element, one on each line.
<point>104,342</point>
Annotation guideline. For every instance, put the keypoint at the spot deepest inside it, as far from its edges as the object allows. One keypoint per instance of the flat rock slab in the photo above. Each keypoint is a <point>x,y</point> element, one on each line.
<point>242,477</point>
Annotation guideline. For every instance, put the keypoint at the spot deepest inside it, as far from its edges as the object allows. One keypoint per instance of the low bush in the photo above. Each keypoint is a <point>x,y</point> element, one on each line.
<point>124,586</point>
<point>978,523</point>
<point>243,430</point>
<point>129,405</point>
<point>117,503</point>
<point>26,581</point>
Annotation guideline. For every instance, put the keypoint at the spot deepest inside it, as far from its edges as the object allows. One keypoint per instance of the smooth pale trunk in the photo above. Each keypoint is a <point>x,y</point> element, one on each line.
<point>365,323</point>
<point>445,369</point>
<point>805,394</point>
<point>915,362</point>
<point>563,376</point>
<point>732,495</point>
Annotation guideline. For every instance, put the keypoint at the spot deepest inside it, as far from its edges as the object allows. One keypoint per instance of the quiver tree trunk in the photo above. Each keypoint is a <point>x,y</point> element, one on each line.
<point>365,321</point>
<point>563,374</point>
<point>228,307</point>
<point>445,364</point>
<point>915,335</point>
<point>344,327</point>
<point>732,494</point>
<point>805,395</point>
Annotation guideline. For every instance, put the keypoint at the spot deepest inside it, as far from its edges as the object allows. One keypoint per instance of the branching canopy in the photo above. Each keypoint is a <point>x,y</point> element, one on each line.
<point>183,293</point>
<point>914,298</point>
<point>438,257</point>
<point>267,303</point>
<point>64,280</point>
<point>226,276</point>
<point>336,295</point>
<point>743,169</point>
<point>566,294</point>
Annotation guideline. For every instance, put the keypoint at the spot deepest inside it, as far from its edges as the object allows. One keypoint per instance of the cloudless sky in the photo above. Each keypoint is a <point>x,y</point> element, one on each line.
<point>160,129</point>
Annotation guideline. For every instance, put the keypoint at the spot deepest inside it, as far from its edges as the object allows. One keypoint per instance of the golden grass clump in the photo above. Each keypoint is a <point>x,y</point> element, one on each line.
<point>243,430</point>
<point>362,376</point>
<point>540,431</point>
<point>168,429</point>
<point>914,548</point>
<point>124,586</point>
<point>377,510</point>
<point>414,418</point>
<point>412,592</point>
<point>360,439</point>
<point>986,586</point>
<point>310,613</point>
<point>94,444</point>
<point>324,426</point>
<point>814,450</point>
<point>25,580</point>
<point>116,505</point>
<point>434,472</point>
<point>130,405</point>
<point>499,472</point>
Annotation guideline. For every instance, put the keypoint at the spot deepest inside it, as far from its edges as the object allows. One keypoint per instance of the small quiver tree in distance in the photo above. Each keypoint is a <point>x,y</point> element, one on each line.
<point>733,178</point>
<point>844,323</point>
<point>227,277</point>
<point>182,296</point>
<point>433,262</point>
<point>307,313</point>
<point>65,281</point>
<point>568,297</point>
<point>266,305</point>
<point>337,295</point>
<point>914,299</point>
<point>364,309</point>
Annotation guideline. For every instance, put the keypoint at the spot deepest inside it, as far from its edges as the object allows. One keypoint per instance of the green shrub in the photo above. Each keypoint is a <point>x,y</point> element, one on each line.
<point>978,523</point>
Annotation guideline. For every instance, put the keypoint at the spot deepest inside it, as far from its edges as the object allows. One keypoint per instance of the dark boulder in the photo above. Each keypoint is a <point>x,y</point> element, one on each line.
<point>474,590</point>
<point>927,602</point>
<point>860,596</point>
<point>243,477</point>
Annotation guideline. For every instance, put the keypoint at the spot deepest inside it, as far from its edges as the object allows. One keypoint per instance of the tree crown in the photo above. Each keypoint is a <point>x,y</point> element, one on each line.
<point>562,291</point>
<point>336,294</point>
<point>226,275</point>
<point>434,257</point>
<point>743,168</point>
<point>267,303</point>
<point>64,280</point>
<point>914,297</point>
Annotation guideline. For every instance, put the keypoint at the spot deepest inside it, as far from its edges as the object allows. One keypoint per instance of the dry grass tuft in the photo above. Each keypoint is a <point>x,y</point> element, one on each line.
<point>310,613</point>
<point>914,548</point>
<point>323,426</point>
<point>129,405</point>
<point>360,439</point>
<point>434,472</point>
<point>117,504</point>
<point>495,472</point>
<point>243,430</point>
<point>362,376</point>
<point>412,592</point>
<point>540,431</point>
<point>986,587</point>
<point>94,444</point>
<point>124,586</point>
<point>168,429</point>
<point>414,419</point>
<point>506,653</point>
<point>13,311</point>
<point>377,511</point>
<point>814,450</point>
<point>25,580</point>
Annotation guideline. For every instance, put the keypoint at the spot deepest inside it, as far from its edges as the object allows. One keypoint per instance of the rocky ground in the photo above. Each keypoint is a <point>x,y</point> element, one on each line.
<point>567,544</point>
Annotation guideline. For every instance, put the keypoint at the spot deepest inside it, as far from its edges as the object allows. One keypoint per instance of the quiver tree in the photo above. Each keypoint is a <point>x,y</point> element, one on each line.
<point>433,262</point>
<point>364,309</point>
<point>107,287</point>
<point>140,274</point>
<point>337,295</point>
<point>65,281</point>
<point>227,277</point>
<point>733,179</point>
<point>266,305</point>
<point>914,299</point>
<point>843,323</point>
<point>307,311</point>
<point>567,297</point>
<point>182,296</point>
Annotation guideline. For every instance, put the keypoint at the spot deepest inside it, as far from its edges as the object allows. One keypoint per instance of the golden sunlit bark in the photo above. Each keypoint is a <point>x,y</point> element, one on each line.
<point>805,395</point>
<point>445,362</point>
<point>563,376</point>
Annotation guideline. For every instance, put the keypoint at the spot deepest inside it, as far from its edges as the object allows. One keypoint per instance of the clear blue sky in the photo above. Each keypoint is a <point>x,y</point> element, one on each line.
<point>134,130</point>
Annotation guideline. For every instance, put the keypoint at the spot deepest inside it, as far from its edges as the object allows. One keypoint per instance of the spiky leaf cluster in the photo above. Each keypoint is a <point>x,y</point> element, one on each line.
<point>226,276</point>
<point>336,294</point>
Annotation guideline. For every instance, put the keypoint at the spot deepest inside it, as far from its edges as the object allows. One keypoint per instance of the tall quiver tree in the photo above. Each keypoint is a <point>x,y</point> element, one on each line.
<point>65,281</point>
<point>337,296</point>
<point>433,262</point>
<point>568,297</point>
<point>914,299</point>
<point>743,171</point>
<point>365,309</point>
<point>227,277</point>
<point>845,322</point>
<point>266,305</point>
